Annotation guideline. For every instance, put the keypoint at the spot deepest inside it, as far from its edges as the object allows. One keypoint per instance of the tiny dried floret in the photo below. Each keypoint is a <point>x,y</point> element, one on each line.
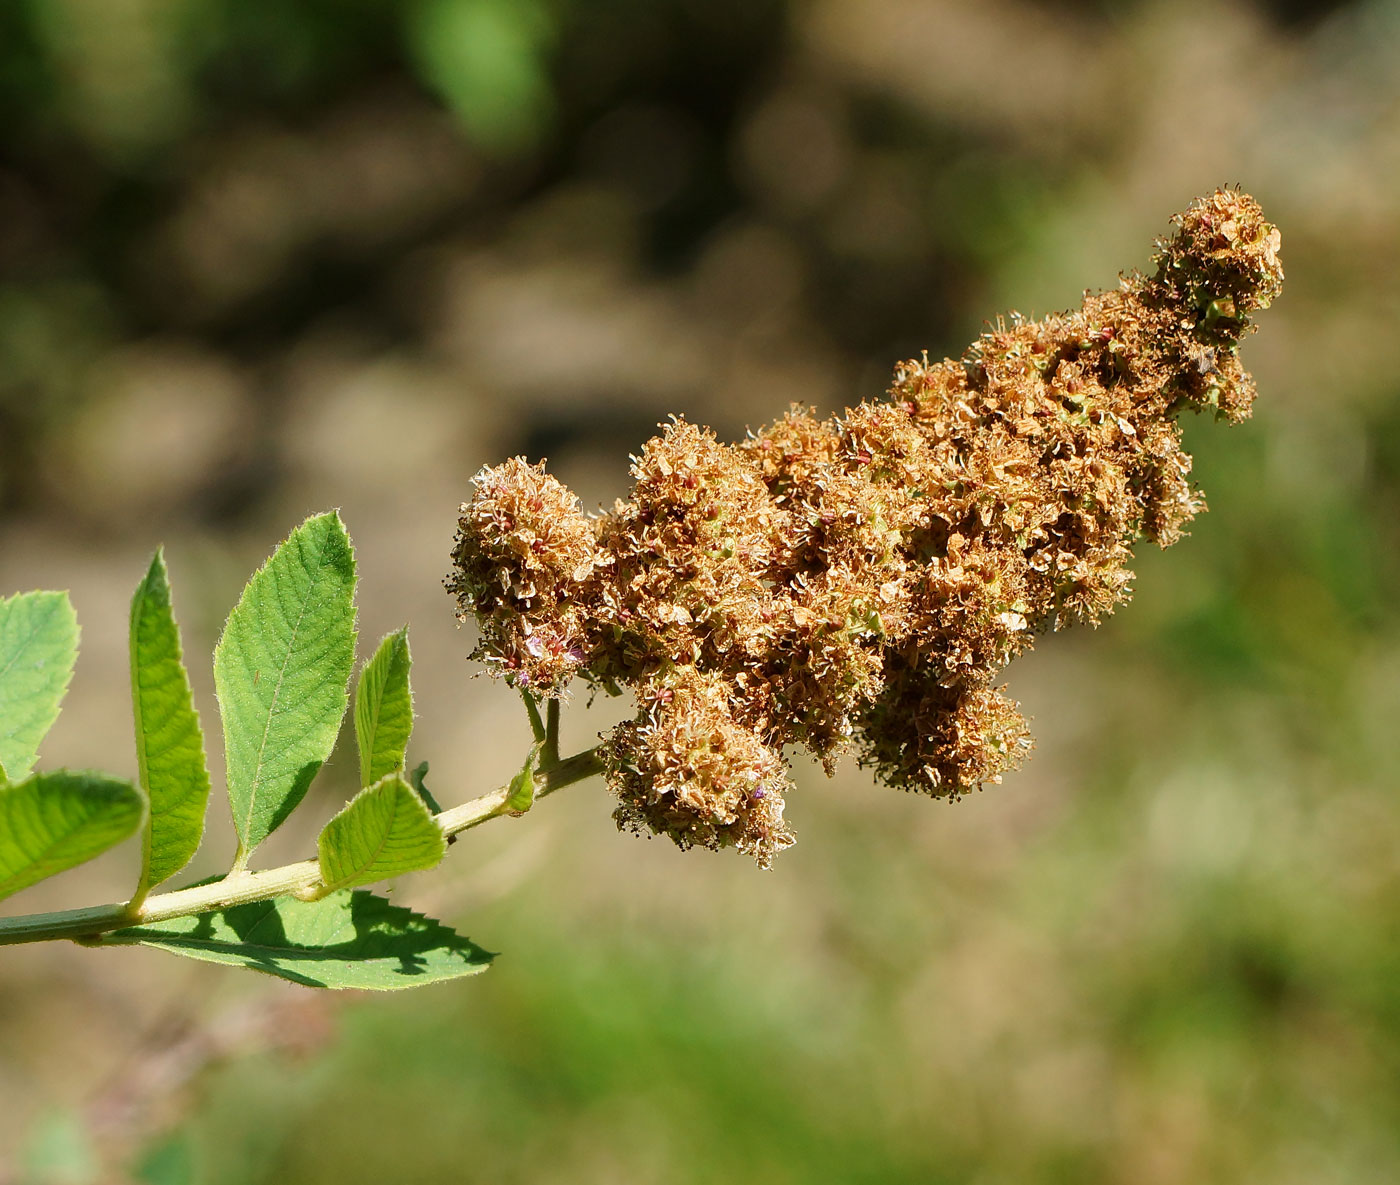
<point>522,564</point>
<point>860,582</point>
<point>686,768</point>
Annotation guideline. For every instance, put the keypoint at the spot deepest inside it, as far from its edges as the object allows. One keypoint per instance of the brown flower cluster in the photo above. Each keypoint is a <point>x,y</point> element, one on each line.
<point>859,582</point>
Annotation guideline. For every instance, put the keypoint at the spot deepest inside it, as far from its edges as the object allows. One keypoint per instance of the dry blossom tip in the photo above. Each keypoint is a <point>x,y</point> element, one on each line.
<point>858,583</point>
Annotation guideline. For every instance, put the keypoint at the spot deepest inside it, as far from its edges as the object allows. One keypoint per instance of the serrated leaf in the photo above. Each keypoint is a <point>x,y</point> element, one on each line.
<point>384,709</point>
<point>38,647</point>
<point>281,670</point>
<point>384,831</point>
<point>51,822</point>
<point>346,940</point>
<point>169,740</point>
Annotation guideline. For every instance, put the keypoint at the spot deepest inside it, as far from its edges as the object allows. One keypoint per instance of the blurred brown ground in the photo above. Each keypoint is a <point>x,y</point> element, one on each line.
<point>260,260</point>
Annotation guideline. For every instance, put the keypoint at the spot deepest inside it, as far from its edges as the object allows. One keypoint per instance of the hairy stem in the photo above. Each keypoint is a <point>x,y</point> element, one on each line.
<point>302,879</point>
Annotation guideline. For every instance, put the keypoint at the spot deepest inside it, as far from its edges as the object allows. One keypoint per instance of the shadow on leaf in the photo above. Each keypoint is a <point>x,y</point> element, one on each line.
<point>347,940</point>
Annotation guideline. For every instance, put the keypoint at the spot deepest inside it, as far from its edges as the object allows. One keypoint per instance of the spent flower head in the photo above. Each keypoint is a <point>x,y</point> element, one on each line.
<point>858,583</point>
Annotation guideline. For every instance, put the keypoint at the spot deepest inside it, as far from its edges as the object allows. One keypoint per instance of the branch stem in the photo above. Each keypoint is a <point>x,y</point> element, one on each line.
<point>551,735</point>
<point>302,879</point>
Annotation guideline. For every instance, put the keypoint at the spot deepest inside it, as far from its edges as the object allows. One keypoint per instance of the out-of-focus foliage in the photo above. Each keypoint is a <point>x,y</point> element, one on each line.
<point>486,59</point>
<point>253,240</point>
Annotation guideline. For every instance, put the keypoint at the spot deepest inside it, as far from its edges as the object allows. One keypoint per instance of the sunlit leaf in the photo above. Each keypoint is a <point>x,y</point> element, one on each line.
<point>346,940</point>
<point>51,822</point>
<point>281,670</point>
<point>169,741</point>
<point>38,647</point>
<point>384,709</point>
<point>384,831</point>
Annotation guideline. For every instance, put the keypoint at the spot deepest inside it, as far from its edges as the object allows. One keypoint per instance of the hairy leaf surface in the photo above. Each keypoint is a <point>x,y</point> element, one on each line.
<point>346,940</point>
<point>55,821</point>
<point>169,741</point>
<point>384,709</point>
<point>38,647</point>
<point>384,831</point>
<point>281,670</point>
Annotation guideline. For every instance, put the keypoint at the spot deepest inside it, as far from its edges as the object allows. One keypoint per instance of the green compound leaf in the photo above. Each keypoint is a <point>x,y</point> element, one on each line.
<point>347,940</point>
<point>384,709</point>
<point>38,647</point>
<point>169,741</point>
<point>281,671</point>
<point>55,821</point>
<point>383,831</point>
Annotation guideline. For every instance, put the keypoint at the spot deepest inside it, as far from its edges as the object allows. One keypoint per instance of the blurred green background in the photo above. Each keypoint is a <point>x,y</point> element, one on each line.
<point>263,257</point>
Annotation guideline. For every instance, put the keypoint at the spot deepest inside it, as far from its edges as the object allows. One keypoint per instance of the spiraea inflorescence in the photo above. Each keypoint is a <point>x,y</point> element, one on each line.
<point>857,583</point>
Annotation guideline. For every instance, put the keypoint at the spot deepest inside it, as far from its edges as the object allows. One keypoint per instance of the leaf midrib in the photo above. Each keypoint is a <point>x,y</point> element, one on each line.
<point>277,691</point>
<point>139,670</point>
<point>396,647</point>
<point>144,680</point>
<point>372,733</point>
<point>379,848</point>
<point>33,633</point>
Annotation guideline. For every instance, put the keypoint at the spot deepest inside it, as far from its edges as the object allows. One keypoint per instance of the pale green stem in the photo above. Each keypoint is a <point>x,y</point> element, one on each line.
<point>240,887</point>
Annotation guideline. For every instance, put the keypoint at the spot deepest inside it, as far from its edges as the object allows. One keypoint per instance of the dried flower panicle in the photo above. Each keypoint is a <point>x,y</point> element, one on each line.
<point>859,582</point>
